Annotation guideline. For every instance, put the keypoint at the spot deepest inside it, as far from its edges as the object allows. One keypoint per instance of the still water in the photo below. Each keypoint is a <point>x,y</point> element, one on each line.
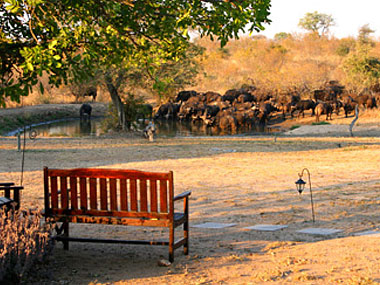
<point>93,127</point>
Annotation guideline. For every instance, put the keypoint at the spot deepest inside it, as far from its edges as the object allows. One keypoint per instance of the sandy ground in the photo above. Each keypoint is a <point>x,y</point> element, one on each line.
<point>245,181</point>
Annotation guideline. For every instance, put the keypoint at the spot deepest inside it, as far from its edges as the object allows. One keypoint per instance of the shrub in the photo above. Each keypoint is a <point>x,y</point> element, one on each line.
<point>24,242</point>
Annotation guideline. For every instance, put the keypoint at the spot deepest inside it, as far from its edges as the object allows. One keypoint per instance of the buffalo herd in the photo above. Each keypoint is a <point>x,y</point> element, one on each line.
<point>248,107</point>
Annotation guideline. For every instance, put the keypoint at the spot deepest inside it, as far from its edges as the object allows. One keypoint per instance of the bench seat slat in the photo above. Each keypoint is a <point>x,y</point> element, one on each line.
<point>113,191</point>
<point>103,194</point>
<point>83,193</point>
<point>153,196</point>
<point>109,213</point>
<point>133,189</point>
<point>4,201</point>
<point>64,194</point>
<point>106,220</point>
<point>93,195</point>
<point>143,196</point>
<point>74,192</point>
<point>123,195</point>
<point>107,173</point>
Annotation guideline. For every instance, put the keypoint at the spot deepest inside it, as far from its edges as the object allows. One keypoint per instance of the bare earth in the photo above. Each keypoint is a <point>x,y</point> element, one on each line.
<point>246,181</point>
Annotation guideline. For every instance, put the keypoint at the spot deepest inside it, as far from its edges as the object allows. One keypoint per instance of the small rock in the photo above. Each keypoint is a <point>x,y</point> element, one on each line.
<point>164,263</point>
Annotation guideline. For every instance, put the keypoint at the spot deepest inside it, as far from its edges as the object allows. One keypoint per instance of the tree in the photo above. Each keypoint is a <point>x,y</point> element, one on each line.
<point>317,23</point>
<point>70,39</point>
<point>361,68</point>
<point>281,36</point>
<point>364,35</point>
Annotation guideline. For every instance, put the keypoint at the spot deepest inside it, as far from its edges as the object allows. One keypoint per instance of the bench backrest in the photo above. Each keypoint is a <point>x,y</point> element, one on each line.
<point>102,192</point>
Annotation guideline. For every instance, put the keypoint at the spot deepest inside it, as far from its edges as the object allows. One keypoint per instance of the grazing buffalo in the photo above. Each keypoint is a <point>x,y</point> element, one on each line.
<point>183,96</point>
<point>324,95</point>
<point>286,103</point>
<point>323,108</point>
<point>85,111</point>
<point>264,111</point>
<point>371,103</point>
<point>227,123</point>
<point>348,104</point>
<point>167,111</point>
<point>191,110</point>
<point>303,105</point>
<point>212,97</point>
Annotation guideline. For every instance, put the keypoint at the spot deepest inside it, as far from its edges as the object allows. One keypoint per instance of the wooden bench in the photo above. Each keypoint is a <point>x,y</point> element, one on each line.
<point>7,200</point>
<point>111,196</point>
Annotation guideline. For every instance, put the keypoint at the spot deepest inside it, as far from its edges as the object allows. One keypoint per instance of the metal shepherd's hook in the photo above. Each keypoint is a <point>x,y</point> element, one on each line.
<point>32,136</point>
<point>301,184</point>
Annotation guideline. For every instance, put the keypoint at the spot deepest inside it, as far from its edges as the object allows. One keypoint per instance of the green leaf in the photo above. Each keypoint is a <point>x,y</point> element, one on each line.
<point>42,88</point>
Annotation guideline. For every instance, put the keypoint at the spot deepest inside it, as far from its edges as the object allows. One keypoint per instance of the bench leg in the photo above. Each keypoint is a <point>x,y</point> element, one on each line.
<point>186,227</point>
<point>65,227</point>
<point>186,236</point>
<point>171,243</point>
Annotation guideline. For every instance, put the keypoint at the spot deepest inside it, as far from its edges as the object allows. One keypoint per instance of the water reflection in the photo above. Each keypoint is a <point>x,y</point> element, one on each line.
<point>77,128</point>
<point>70,128</point>
<point>185,129</point>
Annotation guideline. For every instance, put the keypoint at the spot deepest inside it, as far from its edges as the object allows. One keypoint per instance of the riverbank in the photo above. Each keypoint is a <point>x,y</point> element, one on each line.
<point>14,118</point>
<point>368,124</point>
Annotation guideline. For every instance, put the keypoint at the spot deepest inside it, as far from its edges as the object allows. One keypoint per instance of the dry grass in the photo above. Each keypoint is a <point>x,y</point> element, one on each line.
<point>253,185</point>
<point>25,242</point>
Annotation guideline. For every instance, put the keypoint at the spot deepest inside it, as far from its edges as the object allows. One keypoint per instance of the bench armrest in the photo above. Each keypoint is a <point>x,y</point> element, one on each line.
<point>6,183</point>
<point>182,196</point>
<point>14,188</point>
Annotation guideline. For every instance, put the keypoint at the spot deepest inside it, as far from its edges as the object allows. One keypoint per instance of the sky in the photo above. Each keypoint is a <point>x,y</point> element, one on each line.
<point>349,16</point>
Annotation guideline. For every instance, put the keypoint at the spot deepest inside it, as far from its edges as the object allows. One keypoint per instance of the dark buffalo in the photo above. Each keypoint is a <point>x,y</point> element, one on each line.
<point>286,103</point>
<point>183,96</point>
<point>227,123</point>
<point>167,111</point>
<point>303,105</point>
<point>325,95</point>
<point>264,111</point>
<point>85,111</point>
<point>371,103</point>
<point>349,104</point>
<point>323,108</point>
<point>212,97</point>
<point>336,106</point>
<point>362,99</point>
<point>191,110</point>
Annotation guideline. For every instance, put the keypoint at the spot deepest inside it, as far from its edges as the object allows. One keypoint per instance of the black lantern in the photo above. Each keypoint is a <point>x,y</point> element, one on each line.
<point>300,184</point>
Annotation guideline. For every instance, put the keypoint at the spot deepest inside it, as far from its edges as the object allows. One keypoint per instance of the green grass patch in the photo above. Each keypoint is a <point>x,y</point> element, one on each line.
<point>294,127</point>
<point>320,123</point>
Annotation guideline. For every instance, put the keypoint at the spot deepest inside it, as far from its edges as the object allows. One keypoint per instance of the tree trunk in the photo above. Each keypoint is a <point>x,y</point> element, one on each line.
<point>113,90</point>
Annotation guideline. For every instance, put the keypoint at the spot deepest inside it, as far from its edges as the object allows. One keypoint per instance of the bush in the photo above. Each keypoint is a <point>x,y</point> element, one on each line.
<point>24,242</point>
